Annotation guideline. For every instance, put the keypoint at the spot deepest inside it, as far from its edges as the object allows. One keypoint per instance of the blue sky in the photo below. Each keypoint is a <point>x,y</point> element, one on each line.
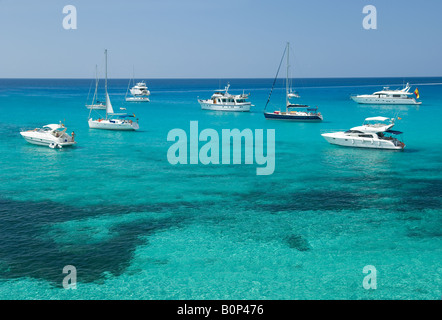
<point>220,39</point>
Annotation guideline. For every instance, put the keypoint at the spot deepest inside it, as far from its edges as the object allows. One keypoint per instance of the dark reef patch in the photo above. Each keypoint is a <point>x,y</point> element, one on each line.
<point>26,251</point>
<point>298,242</point>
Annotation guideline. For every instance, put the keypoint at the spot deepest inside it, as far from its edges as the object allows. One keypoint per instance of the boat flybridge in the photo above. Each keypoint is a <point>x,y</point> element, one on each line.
<point>293,111</point>
<point>222,100</point>
<point>387,96</point>
<point>51,135</point>
<point>374,133</point>
<point>113,121</point>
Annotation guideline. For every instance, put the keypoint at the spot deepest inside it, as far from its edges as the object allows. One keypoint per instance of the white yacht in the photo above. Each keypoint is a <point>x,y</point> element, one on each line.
<point>51,135</point>
<point>112,121</point>
<point>139,91</point>
<point>222,100</point>
<point>387,96</point>
<point>375,133</point>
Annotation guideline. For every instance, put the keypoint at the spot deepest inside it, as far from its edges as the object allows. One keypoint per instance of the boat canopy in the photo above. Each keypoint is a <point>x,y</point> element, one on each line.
<point>377,119</point>
<point>53,126</point>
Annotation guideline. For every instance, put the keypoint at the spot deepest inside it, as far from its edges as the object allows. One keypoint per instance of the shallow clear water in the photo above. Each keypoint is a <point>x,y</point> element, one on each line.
<point>137,227</point>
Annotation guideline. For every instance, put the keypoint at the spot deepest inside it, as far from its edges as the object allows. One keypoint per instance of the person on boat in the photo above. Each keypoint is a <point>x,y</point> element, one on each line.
<point>73,135</point>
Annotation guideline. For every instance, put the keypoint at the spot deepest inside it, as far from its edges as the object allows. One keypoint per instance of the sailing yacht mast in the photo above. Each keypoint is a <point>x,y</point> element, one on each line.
<point>95,98</point>
<point>133,75</point>
<point>105,81</point>
<point>96,85</point>
<point>108,103</point>
<point>130,80</point>
<point>287,79</point>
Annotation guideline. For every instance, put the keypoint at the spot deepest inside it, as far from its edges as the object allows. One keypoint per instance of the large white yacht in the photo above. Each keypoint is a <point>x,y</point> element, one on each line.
<point>375,133</point>
<point>222,100</point>
<point>52,135</point>
<point>139,92</point>
<point>387,96</point>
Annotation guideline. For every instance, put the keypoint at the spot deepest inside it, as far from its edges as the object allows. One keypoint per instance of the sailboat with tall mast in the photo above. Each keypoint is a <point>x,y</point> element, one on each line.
<point>96,104</point>
<point>112,121</point>
<point>294,112</point>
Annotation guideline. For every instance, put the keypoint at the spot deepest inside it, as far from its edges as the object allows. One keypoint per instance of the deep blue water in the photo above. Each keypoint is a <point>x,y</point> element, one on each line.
<point>137,227</point>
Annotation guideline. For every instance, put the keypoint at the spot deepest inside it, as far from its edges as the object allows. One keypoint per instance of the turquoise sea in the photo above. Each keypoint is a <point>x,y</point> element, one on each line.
<point>136,227</point>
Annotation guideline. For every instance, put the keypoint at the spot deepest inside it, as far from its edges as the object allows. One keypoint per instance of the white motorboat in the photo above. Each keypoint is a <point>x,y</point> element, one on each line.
<point>387,96</point>
<point>113,121</point>
<point>51,135</point>
<point>222,100</point>
<point>293,111</point>
<point>139,91</point>
<point>374,133</point>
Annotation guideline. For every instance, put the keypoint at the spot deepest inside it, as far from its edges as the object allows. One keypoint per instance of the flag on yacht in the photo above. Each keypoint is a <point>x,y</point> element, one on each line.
<point>416,92</point>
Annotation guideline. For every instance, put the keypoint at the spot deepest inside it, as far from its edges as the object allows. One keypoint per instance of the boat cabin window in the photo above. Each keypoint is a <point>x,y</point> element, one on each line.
<point>365,136</point>
<point>396,95</point>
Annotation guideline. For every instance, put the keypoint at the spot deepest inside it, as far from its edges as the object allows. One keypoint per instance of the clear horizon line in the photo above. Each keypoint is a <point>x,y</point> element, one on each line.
<point>224,78</point>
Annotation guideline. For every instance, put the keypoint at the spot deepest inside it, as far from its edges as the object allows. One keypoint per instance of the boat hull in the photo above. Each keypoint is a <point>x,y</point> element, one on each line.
<point>96,107</point>
<point>355,142</point>
<point>292,117</point>
<point>137,99</point>
<point>384,101</point>
<point>113,125</point>
<point>225,107</point>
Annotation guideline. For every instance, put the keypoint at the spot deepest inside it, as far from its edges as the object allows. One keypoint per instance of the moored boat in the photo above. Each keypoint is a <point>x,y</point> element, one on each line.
<point>388,96</point>
<point>374,133</point>
<point>51,135</point>
<point>113,121</point>
<point>293,112</point>
<point>222,100</point>
<point>140,93</point>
